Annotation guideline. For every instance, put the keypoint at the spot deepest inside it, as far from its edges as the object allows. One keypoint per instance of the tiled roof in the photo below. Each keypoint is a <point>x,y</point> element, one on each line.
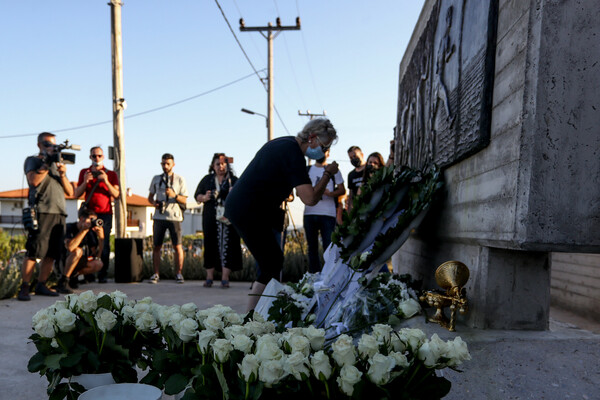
<point>134,199</point>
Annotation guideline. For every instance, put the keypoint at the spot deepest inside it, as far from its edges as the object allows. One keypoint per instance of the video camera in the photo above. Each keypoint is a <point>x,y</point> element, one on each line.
<point>61,157</point>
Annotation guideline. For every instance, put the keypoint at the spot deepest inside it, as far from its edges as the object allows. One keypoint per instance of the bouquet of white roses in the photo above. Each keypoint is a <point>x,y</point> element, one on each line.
<point>87,334</point>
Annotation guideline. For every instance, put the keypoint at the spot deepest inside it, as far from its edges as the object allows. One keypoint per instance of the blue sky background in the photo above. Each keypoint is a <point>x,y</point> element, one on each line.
<point>56,74</point>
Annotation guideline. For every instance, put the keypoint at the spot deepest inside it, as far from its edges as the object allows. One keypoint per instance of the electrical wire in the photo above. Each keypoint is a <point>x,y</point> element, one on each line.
<point>137,114</point>
<point>310,70</point>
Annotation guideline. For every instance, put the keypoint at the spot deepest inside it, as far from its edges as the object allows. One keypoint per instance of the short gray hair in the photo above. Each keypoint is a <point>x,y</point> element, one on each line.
<point>322,127</point>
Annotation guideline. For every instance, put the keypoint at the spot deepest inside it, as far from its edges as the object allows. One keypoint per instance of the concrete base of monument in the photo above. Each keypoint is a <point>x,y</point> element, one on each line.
<point>555,364</point>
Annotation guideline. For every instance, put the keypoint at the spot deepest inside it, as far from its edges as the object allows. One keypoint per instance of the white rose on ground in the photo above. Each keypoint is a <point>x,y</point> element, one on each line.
<point>87,301</point>
<point>146,300</point>
<point>316,337</point>
<point>349,376</point>
<point>457,352</point>
<point>413,338</point>
<point>45,328</point>
<point>233,318</point>
<point>409,308</point>
<point>382,333</point>
<point>267,348</point>
<point>343,351</point>
<point>367,345</point>
<point>71,300</point>
<point>380,370</point>
<point>141,308</point>
<point>320,365</point>
<point>186,329</point>
<point>258,328</point>
<point>234,330</point>
<point>175,319</point>
<point>105,319</point>
<point>242,343</point>
<point>249,368</point>
<point>60,305</point>
<point>271,372</point>
<point>397,343</point>
<point>128,314</point>
<point>299,343</point>
<point>189,310</point>
<point>297,366</point>
<point>221,349</point>
<point>145,322</point>
<point>213,322</point>
<point>400,359</point>
<point>44,313</point>
<point>204,340</point>
<point>431,351</point>
<point>119,298</point>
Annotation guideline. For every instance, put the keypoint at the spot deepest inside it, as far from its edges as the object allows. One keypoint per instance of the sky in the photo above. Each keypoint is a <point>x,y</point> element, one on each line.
<point>56,75</point>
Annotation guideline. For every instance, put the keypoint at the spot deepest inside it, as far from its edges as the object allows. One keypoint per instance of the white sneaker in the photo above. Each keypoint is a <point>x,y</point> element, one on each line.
<point>179,278</point>
<point>154,279</point>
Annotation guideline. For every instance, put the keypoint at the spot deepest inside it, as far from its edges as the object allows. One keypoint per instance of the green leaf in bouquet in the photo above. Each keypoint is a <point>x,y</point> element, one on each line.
<point>176,383</point>
<point>71,360</point>
<point>93,362</point>
<point>222,381</point>
<point>160,360</point>
<point>60,392</point>
<point>36,362</point>
<point>151,378</point>
<point>53,360</point>
<point>105,302</point>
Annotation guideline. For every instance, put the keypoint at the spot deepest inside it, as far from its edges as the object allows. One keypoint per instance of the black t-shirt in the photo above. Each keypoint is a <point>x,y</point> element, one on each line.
<point>354,181</point>
<point>278,167</point>
<point>89,241</point>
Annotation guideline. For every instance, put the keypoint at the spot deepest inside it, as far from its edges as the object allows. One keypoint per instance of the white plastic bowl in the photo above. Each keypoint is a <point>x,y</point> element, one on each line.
<point>123,391</point>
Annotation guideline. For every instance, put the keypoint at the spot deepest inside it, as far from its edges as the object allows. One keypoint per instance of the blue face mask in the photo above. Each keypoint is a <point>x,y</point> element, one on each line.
<point>315,154</point>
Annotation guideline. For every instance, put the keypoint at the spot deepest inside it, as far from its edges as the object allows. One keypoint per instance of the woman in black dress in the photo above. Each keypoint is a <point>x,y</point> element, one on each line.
<point>222,248</point>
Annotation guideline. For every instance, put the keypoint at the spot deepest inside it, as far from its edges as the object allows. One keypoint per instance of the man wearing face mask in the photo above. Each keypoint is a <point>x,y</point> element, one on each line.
<point>355,177</point>
<point>101,186</point>
<point>253,204</point>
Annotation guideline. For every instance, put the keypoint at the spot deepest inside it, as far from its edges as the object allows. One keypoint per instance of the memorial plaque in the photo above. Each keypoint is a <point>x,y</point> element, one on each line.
<point>445,92</point>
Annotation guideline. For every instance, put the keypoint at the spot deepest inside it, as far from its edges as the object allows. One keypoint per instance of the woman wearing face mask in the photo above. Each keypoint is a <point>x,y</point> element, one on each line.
<point>221,242</point>
<point>253,206</point>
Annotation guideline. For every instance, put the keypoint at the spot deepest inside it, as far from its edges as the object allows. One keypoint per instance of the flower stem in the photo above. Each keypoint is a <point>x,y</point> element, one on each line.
<point>102,345</point>
<point>61,344</point>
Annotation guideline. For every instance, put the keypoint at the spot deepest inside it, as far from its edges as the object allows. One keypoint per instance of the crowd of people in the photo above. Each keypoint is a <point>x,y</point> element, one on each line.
<point>251,207</point>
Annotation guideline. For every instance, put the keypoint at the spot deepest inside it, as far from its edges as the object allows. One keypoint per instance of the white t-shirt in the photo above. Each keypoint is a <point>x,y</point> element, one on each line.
<point>158,187</point>
<point>327,204</point>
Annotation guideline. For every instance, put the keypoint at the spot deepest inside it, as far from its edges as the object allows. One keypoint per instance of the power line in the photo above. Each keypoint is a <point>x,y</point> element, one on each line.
<point>136,114</point>
<point>312,76</point>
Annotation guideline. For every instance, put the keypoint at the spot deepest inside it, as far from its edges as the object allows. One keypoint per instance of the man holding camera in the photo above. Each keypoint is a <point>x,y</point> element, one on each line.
<point>48,185</point>
<point>101,186</point>
<point>84,242</point>
<point>168,193</point>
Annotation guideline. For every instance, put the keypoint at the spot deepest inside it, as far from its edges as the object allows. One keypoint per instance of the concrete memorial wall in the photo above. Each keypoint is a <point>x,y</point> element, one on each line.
<point>503,94</point>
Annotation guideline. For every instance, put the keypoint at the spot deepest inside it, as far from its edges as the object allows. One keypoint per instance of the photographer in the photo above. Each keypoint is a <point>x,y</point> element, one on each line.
<point>84,242</point>
<point>48,185</point>
<point>171,196</point>
<point>100,186</point>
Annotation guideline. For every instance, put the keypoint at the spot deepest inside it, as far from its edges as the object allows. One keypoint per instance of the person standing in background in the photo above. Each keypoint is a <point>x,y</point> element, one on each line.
<point>357,159</point>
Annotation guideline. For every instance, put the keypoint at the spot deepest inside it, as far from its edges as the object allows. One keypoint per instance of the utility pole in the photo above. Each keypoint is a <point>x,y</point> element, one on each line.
<point>119,106</point>
<point>269,29</point>
<point>311,115</point>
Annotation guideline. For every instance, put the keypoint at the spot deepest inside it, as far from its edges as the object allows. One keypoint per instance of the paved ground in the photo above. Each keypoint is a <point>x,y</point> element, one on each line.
<point>561,363</point>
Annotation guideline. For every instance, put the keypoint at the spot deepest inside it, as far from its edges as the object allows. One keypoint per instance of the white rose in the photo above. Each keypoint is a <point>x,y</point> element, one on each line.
<point>119,298</point>
<point>221,349</point>
<point>214,323</point>
<point>189,310</point>
<point>146,300</point>
<point>258,328</point>
<point>175,318</point>
<point>220,310</point>
<point>242,343</point>
<point>41,315</point>
<point>271,372</point>
<point>71,300</point>
<point>128,313</point>
<point>316,337</point>
<point>204,339</point>
<point>186,329</point>
<point>397,343</point>
<point>380,370</point>
<point>234,330</point>
<point>413,338</point>
<point>367,345</point>
<point>233,318</point>
<point>87,301</point>
<point>409,308</point>
<point>343,351</point>
<point>145,322</point>
<point>457,352</point>
<point>400,359</point>
<point>299,343</point>
<point>141,308</point>
<point>297,366</point>
<point>59,305</point>
<point>432,350</point>
<point>45,328</point>
<point>382,333</point>
<point>267,348</point>
<point>54,343</point>
<point>349,376</point>
<point>249,368</point>
<point>105,319</point>
<point>320,365</point>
